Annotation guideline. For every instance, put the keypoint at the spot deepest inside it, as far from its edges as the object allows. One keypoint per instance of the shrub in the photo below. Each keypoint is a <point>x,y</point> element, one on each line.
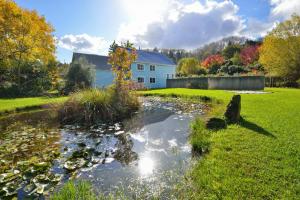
<point>201,71</point>
<point>232,69</point>
<point>256,67</point>
<point>98,105</point>
<point>214,69</point>
<point>80,76</point>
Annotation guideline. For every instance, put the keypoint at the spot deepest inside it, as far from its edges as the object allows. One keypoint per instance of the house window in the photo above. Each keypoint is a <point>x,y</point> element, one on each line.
<point>140,80</point>
<point>140,67</point>
<point>152,67</point>
<point>152,80</point>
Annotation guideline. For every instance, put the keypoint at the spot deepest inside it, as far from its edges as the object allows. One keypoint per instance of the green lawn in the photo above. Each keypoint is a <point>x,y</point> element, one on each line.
<point>258,159</point>
<point>12,104</point>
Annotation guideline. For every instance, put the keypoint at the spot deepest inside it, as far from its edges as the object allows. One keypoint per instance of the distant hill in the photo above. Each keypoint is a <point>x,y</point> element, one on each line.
<point>204,51</point>
<point>217,47</point>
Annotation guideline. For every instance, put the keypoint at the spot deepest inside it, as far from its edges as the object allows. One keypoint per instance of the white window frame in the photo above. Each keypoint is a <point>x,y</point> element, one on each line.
<point>154,80</point>
<point>153,67</point>
<point>137,67</point>
<point>137,79</point>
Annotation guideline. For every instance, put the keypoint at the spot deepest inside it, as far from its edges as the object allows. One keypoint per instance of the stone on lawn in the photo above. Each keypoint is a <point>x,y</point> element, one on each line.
<point>232,114</point>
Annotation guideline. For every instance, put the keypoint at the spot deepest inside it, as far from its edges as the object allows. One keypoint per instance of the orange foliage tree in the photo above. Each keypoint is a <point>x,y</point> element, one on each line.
<point>212,60</point>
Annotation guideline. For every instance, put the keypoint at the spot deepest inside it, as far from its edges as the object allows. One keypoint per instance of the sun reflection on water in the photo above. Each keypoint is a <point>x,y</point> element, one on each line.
<point>146,166</point>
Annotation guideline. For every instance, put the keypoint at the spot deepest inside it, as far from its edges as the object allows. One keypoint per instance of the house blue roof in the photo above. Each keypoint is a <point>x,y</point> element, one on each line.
<point>153,57</point>
<point>101,62</point>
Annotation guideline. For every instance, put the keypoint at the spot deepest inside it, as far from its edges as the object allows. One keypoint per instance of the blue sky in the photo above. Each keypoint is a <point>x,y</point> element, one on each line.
<point>89,26</point>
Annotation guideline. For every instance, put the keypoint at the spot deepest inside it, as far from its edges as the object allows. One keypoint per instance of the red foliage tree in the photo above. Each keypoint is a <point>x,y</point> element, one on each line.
<point>213,59</point>
<point>249,54</point>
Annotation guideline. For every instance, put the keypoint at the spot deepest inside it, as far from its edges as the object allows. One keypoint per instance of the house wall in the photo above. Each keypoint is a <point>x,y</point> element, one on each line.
<point>161,73</point>
<point>103,78</point>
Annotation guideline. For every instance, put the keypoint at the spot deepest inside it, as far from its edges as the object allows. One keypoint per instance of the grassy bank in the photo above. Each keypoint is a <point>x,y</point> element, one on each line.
<point>258,159</point>
<point>9,105</point>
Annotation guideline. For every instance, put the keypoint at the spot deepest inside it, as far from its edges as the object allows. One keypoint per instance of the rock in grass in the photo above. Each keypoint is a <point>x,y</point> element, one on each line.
<point>216,123</point>
<point>233,112</point>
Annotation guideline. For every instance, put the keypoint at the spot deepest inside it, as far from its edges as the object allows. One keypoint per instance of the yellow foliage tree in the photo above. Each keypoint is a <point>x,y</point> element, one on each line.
<point>24,37</point>
<point>280,51</point>
<point>121,59</point>
<point>188,66</point>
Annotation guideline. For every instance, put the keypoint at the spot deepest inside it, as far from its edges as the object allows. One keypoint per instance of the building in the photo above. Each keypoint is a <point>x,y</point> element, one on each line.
<point>152,69</point>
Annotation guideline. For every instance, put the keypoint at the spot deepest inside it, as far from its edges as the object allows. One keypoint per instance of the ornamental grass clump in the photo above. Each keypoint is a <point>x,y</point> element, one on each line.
<point>94,106</point>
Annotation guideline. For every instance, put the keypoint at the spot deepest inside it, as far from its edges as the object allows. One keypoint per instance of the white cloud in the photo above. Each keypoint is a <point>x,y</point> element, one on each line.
<point>83,43</point>
<point>284,8</point>
<point>256,28</point>
<point>179,25</point>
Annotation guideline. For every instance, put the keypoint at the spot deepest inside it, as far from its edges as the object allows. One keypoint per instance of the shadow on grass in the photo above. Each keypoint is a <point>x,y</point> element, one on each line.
<point>256,128</point>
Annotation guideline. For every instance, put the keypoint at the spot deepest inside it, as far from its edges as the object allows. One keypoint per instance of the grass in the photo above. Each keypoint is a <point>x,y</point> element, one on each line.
<point>257,159</point>
<point>8,105</point>
<point>92,106</point>
<point>75,191</point>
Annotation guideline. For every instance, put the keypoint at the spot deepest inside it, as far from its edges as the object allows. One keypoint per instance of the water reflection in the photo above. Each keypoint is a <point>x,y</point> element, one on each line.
<point>146,165</point>
<point>124,153</point>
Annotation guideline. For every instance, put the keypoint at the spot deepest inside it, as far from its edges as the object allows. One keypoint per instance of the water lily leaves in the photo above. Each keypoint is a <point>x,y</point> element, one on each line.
<point>40,188</point>
<point>56,177</point>
<point>29,188</point>
<point>10,189</point>
<point>26,155</point>
<point>75,164</point>
<point>69,165</point>
<point>9,176</point>
<point>41,166</point>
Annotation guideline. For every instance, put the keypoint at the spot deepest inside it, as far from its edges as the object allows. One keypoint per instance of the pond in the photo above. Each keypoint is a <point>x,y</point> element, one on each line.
<point>148,153</point>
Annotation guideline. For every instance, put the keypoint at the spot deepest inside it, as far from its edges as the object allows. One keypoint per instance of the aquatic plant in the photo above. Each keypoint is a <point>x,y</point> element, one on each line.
<point>75,191</point>
<point>24,160</point>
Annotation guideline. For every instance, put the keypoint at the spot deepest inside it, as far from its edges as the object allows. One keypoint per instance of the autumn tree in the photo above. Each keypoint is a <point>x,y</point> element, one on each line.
<point>189,66</point>
<point>114,45</point>
<point>216,59</point>
<point>280,50</point>
<point>249,54</point>
<point>25,37</point>
<point>121,60</point>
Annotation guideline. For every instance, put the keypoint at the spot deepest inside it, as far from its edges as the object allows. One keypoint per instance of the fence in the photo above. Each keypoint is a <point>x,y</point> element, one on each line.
<point>221,83</point>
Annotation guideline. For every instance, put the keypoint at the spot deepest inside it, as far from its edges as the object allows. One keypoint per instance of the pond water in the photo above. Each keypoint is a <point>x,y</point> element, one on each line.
<point>146,154</point>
